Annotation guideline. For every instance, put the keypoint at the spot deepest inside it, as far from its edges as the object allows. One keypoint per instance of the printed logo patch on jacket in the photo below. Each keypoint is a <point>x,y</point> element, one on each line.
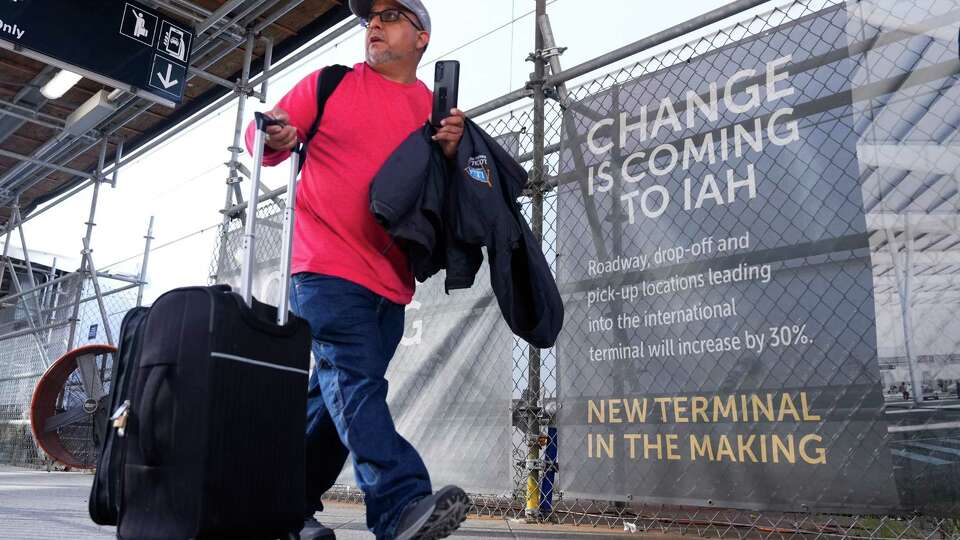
<point>478,169</point>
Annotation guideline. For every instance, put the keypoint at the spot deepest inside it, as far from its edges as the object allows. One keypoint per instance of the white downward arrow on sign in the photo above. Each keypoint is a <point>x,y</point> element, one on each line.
<point>165,79</point>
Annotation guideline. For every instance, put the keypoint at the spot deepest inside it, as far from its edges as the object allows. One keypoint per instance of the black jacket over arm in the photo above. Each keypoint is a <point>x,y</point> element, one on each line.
<point>442,212</point>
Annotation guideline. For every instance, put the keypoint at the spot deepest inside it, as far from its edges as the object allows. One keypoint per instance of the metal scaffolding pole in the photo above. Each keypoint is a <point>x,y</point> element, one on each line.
<point>86,261</point>
<point>41,347</point>
<point>143,265</point>
<point>6,249</point>
<point>534,464</point>
<point>35,331</point>
<point>88,253</point>
<point>267,64</point>
<point>15,296</point>
<point>288,61</point>
<point>15,283</point>
<point>53,298</point>
<point>218,16</point>
<point>92,269</point>
<point>75,315</point>
<point>44,291</point>
<point>233,179</point>
<point>31,281</point>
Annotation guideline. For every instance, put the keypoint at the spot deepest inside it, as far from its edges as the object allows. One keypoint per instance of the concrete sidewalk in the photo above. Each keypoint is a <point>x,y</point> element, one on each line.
<point>53,506</point>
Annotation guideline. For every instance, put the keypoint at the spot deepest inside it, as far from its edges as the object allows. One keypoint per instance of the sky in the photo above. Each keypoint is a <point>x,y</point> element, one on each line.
<point>182,182</point>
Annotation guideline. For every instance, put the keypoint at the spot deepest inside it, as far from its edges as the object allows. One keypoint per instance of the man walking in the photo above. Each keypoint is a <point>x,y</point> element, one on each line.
<point>351,282</point>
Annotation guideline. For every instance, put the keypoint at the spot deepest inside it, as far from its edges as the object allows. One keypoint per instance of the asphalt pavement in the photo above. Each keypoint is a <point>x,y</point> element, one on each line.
<point>53,506</point>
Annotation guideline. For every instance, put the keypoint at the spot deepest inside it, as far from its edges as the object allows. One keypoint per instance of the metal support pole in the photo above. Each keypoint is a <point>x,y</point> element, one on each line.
<point>233,178</point>
<point>30,298</point>
<point>288,61</point>
<point>550,43</point>
<point>9,297</point>
<point>533,367</point>
<point>88,253</point>
<point>92,269</point>
<point>568,127</point>
<point>40,211</point>
<point>267,62</point>
<point>85,258</point>
<point>53,298</point>
<point>84,300</point>
<point>6,249</point>
<point>34,329</point>
<point>120,277</point>
<point>276,15</point>
<point>212,78</point>
<point>903,288</point>
<point>31,281</point>
<point>75,315</point>
<point>143,264</point>
<point>44,164</point>
<point>28,115</point>
<point>118,155</point>
<point>15,283</point>
<point>45,289</point>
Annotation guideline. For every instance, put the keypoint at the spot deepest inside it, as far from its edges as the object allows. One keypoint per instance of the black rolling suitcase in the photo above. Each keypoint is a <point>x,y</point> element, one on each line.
<point>104,502</point>
<point>208,438</point>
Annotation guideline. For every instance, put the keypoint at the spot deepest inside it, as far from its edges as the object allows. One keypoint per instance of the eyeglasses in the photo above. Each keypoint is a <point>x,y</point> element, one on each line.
<point>388,16</point>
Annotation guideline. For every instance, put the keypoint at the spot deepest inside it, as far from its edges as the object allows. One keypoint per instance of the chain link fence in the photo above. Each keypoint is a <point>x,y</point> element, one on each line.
<point>901,51</point>
<point>35,332</point>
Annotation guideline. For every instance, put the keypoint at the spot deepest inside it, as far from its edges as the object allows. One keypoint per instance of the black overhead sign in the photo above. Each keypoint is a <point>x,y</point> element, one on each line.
<point>117,42</point>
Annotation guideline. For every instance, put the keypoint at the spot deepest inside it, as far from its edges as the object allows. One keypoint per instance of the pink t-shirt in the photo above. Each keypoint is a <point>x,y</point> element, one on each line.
<point>364,121</point>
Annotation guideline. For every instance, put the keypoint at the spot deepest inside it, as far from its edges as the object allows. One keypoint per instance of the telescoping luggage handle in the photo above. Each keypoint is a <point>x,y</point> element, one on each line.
<point>250,233</point>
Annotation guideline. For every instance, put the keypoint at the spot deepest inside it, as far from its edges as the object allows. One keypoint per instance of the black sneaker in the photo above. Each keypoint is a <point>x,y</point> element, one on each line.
<point>314,530</point>
<point>435,516</point>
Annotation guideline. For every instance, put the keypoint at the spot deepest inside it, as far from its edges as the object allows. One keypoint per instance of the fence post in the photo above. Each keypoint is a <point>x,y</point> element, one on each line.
<point>533,463</point>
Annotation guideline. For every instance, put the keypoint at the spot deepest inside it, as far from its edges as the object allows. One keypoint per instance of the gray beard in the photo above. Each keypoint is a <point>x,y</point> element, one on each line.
<point>382,57</point>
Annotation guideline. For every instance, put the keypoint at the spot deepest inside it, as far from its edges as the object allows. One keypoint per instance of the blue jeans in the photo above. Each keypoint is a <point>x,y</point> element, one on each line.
<point>355,333</point>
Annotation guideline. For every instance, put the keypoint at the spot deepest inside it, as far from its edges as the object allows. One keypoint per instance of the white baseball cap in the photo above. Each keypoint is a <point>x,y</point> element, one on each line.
<point>361,8</point>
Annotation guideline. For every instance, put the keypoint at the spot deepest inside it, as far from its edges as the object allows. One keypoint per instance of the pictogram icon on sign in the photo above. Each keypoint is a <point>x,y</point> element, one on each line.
<point>174,41</point>
<point>167,76</point>
<point>166,80</point>
<point>139,24</point>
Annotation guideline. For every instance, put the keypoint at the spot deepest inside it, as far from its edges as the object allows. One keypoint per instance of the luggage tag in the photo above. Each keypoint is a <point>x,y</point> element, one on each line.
<point>120,416</point>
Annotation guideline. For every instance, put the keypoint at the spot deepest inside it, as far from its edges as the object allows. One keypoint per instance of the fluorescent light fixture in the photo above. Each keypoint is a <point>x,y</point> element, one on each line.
<point>90,114</point>
<point>59,84</point>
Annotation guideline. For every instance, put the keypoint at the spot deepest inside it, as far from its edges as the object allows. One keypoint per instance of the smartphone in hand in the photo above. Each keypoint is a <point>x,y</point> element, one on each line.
<point>446,86</point>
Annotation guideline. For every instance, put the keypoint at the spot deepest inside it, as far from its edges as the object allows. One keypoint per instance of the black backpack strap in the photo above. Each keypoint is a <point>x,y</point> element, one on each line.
<point>327,82</point>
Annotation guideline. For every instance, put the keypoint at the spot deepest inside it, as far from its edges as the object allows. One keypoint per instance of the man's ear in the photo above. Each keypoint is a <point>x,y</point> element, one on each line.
<point>423,39</point>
